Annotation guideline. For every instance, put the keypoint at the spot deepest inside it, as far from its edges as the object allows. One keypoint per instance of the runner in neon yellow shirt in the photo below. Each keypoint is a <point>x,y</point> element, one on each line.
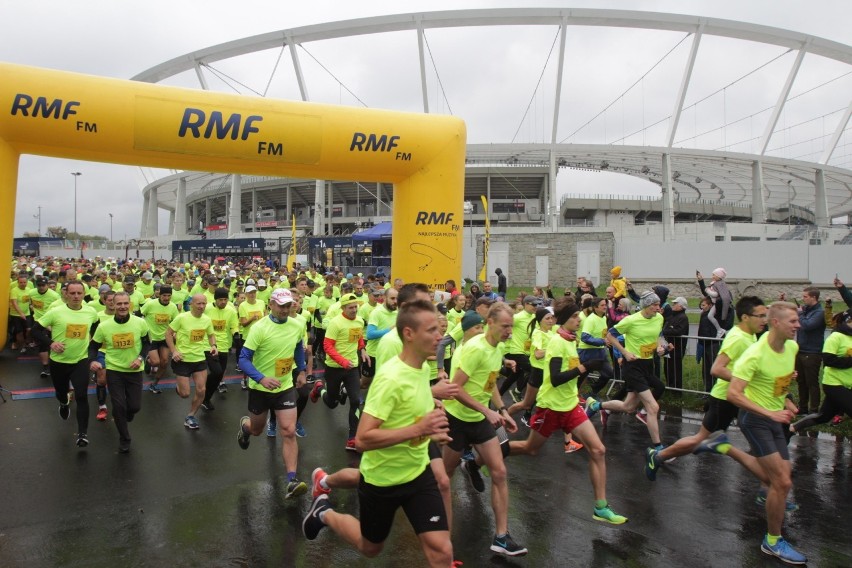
<point>119,346</point>
<point>344,348</point>
<point>226,324</point>
<point>593,346</point>
<point>40,300</point>
<point>189,336</point>
<point>836,377</point>
<point>720,413</point>
<point>518,348</point>
<point>558,407</point>
<point>19,312</point>
<point>641,332</point>
<point>473,422</point>
<point>158,314</point>
<point>760,384</point>
<point>382,322</point>
<point>272,355</point>
<point>68,338</point>
<point>399,419</point>
<point>542,327</point>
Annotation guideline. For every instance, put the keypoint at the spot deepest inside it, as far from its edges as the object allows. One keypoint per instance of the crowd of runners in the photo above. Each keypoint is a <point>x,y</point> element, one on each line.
<point>435,382</point>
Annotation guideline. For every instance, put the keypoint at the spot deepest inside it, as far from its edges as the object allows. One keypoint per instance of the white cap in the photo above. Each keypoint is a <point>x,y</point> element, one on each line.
<point>261,282</point>
<point>232,274</point>
<point>282,296</point>
<point>250,289</point>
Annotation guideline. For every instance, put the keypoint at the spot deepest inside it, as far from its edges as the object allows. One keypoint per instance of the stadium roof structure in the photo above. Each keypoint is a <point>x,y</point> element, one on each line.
<point>768,133</point>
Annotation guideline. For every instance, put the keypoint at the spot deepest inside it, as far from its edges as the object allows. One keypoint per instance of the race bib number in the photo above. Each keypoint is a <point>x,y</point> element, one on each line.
<point>283,367</point>
<point>196,335</point>
<point>122,341</point>
<point>849,352</point>
<point>782,385</point>
<point>312,310</point>
<point>37,304</point>
<point>161,319</point>
<point>76,331</point>
<point>573,362</point>
<point>490,382</point>
<point>647,350</point>
<point>257,315</point>
<point>527,345</point>
<point>355,335</point>
<point>218,325</point>
<point>603,333</point>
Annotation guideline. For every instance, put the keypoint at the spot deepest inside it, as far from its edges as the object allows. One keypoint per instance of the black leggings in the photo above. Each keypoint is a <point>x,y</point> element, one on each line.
<point>78,374</point>
<point>521,374</point>
<point>216,371</point>
<point>125,392</point>
<point>838,400</point>
<point>351,379</point>
<point>602,366</point>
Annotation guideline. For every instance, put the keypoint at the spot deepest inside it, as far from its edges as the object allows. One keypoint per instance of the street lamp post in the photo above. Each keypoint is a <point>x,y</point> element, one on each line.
<point>110,227</point>
<point>76,175</point>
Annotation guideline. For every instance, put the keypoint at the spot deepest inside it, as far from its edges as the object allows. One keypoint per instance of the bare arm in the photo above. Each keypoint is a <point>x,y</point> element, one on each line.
<point>371,436</point>
<point>736,396</point>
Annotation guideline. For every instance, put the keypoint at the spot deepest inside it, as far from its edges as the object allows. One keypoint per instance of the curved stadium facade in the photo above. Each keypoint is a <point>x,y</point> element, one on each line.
<point>730,148</point>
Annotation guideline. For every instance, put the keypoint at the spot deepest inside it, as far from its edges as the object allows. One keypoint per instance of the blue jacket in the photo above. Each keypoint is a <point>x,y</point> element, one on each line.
<point>812,331</point>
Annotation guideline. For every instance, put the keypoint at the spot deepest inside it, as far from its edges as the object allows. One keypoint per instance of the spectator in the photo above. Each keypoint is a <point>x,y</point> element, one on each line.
<point>721,314</point>
<point>618,282</point>
<point>809,359</point>
<point>707,349</point>
<point>502,285</point>
<point>585,286</point>
<point>675,327</point>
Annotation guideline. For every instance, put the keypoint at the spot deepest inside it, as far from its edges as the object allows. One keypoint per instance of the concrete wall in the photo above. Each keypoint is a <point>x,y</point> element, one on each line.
<point>772,260</point>
<point>560,248</point>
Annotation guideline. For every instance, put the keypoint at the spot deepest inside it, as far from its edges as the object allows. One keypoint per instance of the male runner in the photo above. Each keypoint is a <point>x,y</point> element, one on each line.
<point>760,384</point>
<point>68,341</point>
<point>158,314</point>
<point>188,337</point>
<point>272,352</point>
<point>120,345</point>
<point>399,419</point>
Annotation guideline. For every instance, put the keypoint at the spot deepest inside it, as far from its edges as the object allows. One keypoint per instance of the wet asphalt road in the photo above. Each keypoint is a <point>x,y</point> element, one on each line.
<point>184,498</point>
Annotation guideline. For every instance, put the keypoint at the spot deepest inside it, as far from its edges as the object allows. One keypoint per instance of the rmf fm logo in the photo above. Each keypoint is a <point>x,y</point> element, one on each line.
<point>436,218</point>
<point>377,143</point>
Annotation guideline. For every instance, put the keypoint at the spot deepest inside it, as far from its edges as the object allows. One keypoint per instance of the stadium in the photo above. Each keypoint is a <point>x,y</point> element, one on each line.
<point>696,156</point>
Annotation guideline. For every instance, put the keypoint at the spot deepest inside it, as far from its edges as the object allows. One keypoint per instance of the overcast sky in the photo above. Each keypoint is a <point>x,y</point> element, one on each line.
<point>121,39</point>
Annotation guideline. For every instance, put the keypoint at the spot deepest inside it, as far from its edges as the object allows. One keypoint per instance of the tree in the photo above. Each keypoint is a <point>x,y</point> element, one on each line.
<point>30,234</point>
<point>57,232</point>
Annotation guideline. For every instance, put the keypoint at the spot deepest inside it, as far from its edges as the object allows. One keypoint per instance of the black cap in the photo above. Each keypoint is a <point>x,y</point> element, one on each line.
<point>41,281</point>
<point>220,293</point>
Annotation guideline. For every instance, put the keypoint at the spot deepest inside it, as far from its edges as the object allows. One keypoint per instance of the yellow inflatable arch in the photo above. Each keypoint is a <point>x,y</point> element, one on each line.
<point>68,115</point>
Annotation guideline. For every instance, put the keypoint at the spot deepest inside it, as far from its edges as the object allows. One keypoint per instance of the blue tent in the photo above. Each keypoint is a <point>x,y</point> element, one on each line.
<point>380,231</point>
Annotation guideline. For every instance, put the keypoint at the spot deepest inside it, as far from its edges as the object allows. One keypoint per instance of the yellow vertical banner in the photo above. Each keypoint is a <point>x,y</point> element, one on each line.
<point>291,258</point>
<point>483,273</point>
